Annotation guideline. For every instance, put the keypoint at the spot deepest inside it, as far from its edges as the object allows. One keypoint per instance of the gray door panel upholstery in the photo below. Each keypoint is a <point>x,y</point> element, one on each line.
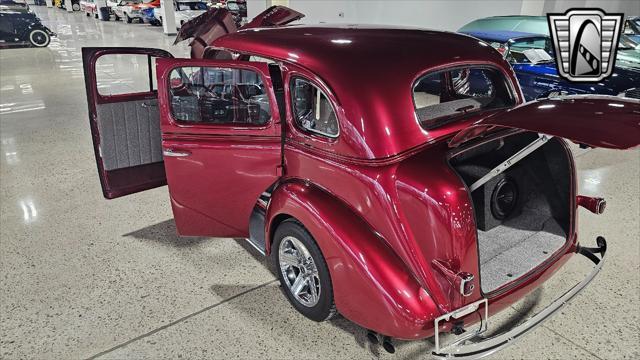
<point>129,133</point>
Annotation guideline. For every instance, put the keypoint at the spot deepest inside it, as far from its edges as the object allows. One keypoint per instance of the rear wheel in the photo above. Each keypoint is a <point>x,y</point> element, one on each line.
<point>75,7</point>
<point>88,14</point>
<point>39,38</point>
<point>303,272</point>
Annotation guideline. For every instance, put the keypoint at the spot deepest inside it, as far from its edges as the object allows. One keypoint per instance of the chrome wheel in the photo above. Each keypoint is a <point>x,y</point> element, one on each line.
<point>299,271</point>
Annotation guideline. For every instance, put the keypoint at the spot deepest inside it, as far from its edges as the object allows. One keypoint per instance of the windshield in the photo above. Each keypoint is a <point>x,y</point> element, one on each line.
<point>519,50</point>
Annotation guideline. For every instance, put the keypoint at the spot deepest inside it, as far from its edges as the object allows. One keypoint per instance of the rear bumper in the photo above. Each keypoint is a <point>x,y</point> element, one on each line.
<point>475,346</point>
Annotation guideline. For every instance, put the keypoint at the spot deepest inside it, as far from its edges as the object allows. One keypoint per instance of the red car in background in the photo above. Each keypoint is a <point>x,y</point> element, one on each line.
<point>415,194</point>
<point>89,7</point>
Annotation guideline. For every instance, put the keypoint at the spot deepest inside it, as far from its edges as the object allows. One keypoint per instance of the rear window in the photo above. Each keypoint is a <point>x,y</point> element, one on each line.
<point>449,95</point>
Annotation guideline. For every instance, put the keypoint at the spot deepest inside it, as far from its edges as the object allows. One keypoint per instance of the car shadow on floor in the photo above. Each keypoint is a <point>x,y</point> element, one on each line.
<point>166,233</point>
<point>266,303</point>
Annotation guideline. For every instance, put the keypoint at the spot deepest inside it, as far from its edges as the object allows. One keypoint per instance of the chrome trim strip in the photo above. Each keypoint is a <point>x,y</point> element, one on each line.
<point>488,346</point>
<point>173,153</point>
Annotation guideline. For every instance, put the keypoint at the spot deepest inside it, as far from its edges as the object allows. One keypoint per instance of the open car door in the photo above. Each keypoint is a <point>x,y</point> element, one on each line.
<point>595,120</point>
<point>221,141</point>
<point>124,118</point>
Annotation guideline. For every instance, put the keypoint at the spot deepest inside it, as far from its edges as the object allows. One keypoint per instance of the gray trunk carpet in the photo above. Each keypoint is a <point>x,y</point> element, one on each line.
<point>517,246</point>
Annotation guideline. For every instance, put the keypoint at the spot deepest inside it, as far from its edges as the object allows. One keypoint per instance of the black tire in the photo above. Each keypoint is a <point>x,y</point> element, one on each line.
<point>75,6</point>
<point>127,18</point>
<point>325,307</point>
<point>95,15</point>
<point>88,14</point>
<point>116,17</point>
<point>39,38</point>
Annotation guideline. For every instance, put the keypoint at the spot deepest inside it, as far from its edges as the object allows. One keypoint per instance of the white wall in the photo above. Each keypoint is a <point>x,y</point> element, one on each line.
<point>434,14</point>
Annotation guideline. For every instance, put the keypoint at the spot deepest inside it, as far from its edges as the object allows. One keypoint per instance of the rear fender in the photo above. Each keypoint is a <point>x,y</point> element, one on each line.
<point>372,287</point>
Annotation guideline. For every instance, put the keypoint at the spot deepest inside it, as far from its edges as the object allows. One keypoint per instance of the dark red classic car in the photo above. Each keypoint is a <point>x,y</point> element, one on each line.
<point>410,190</point>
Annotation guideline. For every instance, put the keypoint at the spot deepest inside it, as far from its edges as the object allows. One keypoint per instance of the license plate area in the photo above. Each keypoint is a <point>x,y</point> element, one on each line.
<point>444,341</point>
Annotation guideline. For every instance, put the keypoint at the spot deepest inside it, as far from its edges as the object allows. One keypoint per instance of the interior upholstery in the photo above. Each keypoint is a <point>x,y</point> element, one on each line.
<point>129,133</point>
<point>539,226</point>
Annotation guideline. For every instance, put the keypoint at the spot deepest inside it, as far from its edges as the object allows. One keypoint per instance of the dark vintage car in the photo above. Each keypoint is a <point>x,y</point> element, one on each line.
<point>22,27</point>
<point>538,74</point>
<point>416,195</point>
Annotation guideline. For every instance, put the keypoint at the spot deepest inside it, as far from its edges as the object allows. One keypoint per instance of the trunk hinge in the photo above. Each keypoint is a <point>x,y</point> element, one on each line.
<point>541,140</point>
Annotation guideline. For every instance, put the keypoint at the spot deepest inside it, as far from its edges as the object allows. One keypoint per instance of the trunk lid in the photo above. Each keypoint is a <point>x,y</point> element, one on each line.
<point>595,120</point>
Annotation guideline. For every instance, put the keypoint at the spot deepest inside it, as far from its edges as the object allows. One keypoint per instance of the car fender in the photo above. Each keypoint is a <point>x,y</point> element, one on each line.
<point>372,286</point>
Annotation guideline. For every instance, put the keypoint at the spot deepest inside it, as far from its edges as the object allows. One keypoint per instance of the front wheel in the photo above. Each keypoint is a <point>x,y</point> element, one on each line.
<point>303,272</point>
<point>75,7</point>
<point>39,38</point>
<point>127,18</point>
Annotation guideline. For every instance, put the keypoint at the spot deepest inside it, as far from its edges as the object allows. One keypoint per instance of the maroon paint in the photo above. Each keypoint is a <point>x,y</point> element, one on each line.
<point>228,164</point>
<point>391,217</point>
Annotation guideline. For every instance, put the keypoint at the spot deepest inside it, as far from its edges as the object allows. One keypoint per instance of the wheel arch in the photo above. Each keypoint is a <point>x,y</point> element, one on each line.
<point>372,286</point>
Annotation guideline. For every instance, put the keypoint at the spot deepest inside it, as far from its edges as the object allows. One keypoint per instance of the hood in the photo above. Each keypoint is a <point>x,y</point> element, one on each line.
<point>595,120</point>
<point>215,23</point>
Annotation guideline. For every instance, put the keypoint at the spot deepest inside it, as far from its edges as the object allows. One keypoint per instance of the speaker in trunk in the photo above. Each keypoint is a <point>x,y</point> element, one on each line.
<point>498,199</point>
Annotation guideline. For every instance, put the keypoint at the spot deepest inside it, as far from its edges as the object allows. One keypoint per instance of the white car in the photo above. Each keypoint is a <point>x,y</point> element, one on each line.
<point>129,10</point>
<point>185,11</point>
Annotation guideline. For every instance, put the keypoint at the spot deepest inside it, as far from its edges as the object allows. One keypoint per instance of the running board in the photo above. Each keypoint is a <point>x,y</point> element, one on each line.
<point>541,140</point>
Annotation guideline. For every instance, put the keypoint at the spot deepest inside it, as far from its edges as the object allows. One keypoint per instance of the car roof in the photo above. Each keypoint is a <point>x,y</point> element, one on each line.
<point>370,69</point>
<point>501,36</point>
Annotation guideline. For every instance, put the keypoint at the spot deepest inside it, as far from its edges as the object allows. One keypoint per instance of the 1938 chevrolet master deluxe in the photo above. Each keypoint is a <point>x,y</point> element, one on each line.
<point>408,189</point>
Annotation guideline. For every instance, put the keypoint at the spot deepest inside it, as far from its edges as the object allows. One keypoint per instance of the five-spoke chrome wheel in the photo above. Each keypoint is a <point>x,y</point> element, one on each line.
<point>299,271</point>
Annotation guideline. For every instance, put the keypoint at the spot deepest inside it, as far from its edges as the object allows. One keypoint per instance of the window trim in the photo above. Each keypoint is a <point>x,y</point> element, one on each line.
<point>508,84</point>
<point>292,78</point>
<point>184,123</point>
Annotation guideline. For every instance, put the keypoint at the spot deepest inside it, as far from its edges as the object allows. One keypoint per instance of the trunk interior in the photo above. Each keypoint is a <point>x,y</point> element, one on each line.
<point>522,214</point>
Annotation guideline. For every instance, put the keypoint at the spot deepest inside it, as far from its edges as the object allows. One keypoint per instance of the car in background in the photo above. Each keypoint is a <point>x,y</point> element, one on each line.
<point>13,5</point>
<point>22,27</point>
<point>185,11</point>
<point>632,28</point>
<point>89,7</point>
<point>532,59</point>
<point>75,4</point>
<point>626,56</point>
<point>130,10</point>
<point>239,11</point>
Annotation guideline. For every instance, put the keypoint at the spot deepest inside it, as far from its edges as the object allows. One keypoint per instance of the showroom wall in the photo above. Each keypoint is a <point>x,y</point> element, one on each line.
<point>436,14</point>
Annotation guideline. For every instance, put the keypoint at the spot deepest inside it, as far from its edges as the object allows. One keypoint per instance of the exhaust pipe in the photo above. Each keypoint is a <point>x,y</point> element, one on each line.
<point>593,204</point>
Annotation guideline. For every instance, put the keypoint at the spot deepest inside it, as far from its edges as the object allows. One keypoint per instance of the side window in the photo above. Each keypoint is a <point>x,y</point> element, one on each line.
<point>445,96</point>
<point>312,109</point>
<point>118,74</point>
<point>218,96</point>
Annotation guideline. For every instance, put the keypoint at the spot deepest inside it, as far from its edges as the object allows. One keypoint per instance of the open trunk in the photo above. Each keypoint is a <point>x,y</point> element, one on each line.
<point>523,213</point>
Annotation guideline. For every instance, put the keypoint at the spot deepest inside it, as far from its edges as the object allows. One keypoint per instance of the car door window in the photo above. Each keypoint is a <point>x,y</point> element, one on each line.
<point>218,96</point>
<point>312,109</point>
<point>118,74</point>
<point>448,95</point>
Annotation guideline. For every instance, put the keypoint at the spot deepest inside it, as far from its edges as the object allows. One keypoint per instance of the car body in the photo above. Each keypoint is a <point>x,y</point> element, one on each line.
<point>357,182</point>
<point>626,56</point>
<point>185,11</point>
<point>89,7</point>
<point>541,79</point>
<point>22,27</point>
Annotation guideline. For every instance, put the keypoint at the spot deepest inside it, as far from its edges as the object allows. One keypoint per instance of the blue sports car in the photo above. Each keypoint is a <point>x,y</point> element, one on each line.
<point>532,58</point>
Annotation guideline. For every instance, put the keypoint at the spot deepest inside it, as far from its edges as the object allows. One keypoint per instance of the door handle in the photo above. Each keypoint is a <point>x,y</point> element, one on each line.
<point>174,153</point>
<point>147,105</point>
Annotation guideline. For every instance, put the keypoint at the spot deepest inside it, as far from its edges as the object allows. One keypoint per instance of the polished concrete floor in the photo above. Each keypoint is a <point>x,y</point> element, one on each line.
<point>83,277</point>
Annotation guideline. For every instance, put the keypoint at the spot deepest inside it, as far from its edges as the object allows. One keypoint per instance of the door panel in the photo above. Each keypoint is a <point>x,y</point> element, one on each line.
<point>222,148</point>
<point>124,118</point>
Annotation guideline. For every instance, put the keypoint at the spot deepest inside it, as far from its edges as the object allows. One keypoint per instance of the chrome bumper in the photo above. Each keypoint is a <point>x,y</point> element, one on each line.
<point>475,346</point>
